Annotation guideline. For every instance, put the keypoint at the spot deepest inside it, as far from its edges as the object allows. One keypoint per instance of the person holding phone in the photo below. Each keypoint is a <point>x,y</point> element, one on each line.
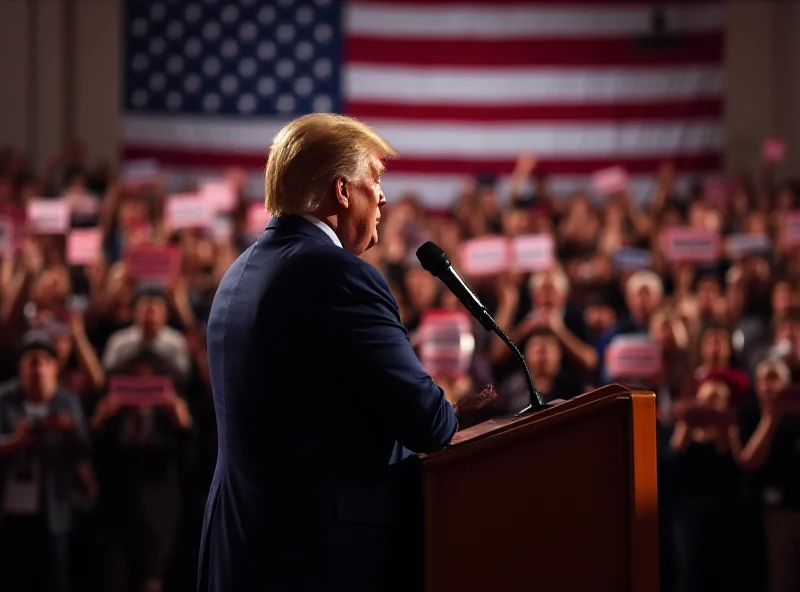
<point>44,444</point>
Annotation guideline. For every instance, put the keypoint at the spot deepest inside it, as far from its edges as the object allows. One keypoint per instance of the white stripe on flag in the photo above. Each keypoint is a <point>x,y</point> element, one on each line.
<point>503,86</point>
<point>463,21</point>
<point>553,140</point>
<point>200,133</point>
<point>503,140</point>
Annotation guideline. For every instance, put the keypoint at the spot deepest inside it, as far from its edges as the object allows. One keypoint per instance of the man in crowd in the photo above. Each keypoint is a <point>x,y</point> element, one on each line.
<point>44,444</point>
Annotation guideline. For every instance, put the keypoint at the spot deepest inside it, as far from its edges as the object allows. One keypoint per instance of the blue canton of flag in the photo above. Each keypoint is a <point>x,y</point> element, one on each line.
<point>232,57</point>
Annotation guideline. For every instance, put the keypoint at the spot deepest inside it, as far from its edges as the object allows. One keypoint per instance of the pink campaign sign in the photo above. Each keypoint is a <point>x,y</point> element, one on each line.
<point>257,219</point>
<point>633,358</point>
<point>609,181</point>
<point>152,263</point>
<point>84,246</point>
<point>219,194</point>
<point>139,391</point>
<point>484,256</point>
<point>691,244</point>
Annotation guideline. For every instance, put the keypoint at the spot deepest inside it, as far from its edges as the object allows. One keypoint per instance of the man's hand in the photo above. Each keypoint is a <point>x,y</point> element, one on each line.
<point>179,412</point>
<point>475,402</point>
<point>107,408</point>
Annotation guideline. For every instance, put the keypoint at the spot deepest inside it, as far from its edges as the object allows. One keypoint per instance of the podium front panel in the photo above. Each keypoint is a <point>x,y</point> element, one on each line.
<point>538,507</point>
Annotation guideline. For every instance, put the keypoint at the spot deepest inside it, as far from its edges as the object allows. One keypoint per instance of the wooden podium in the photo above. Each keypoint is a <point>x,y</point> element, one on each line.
<point>563,499</point>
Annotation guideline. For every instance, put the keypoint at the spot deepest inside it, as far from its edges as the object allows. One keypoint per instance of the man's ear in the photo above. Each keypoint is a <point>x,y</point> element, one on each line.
<point>342,192</point>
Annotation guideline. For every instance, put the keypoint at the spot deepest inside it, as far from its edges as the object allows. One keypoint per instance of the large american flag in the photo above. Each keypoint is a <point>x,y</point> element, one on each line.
<point>457,87</point>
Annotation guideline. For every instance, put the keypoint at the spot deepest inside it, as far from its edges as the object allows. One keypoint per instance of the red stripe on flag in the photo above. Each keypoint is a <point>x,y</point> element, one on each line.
<point>594,113</point>
<point>506,53</point>
<point>190,159</point>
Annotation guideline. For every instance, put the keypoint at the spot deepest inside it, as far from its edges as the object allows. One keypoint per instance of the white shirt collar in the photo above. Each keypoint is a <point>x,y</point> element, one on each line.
<point>324,228</point>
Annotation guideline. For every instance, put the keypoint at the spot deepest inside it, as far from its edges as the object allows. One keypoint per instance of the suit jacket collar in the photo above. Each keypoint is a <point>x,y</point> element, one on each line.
<point>295,223</point>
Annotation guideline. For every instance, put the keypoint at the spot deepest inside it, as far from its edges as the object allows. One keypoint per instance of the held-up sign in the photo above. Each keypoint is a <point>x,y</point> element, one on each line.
<point>631,259</point>
<point>773,149</point>
<point>738,246</point>
<point>484,256</point>
<point>152,263</point>
<point>139,391</point>
<point>219,194</point>
<point>691,244</point>
<point>48,216</point>
<point>633,356</point>
<point>532,252</point>
<point>791,229</point>
<point>446,342</point>
<point>186,210</point>
<point>221,228</point>
<point>610,181</point>
<point>257,219</point>
<point>84,246</point>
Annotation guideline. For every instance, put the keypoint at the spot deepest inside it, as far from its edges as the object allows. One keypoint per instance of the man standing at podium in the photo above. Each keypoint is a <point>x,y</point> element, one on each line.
<point>314,380</point>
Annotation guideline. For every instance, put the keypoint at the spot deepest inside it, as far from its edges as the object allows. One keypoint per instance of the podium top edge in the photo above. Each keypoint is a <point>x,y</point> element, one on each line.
<point>502,424</point>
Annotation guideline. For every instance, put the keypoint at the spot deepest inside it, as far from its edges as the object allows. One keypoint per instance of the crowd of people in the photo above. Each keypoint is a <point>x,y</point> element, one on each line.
<point>101,491</point>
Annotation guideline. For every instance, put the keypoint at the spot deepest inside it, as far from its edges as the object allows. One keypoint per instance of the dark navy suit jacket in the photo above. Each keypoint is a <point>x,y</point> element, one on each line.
<point>315,383</point>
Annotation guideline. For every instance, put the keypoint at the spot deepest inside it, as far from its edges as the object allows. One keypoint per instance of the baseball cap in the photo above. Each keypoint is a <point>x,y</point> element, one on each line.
<point>37,340</point>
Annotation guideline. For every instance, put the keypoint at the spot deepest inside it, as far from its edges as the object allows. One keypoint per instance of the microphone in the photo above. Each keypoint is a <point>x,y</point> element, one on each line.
<point>434,261</point>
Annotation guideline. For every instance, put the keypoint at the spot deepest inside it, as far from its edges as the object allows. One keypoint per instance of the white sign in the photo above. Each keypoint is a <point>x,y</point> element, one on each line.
<point>532,252</point>
<point>219,194</point>
<point>48,216</point>
<point>744,245</point>
<point>187,210</point>
<point>484,256</point>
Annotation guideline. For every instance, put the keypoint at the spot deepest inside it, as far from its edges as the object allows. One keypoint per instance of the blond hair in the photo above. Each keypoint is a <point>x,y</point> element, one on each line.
<point>777,366</point>
<point>309,153</point>
<point>642,279</point>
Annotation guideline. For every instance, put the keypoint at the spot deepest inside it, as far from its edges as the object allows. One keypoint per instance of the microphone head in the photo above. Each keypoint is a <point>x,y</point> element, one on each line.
<point>432,258</point>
